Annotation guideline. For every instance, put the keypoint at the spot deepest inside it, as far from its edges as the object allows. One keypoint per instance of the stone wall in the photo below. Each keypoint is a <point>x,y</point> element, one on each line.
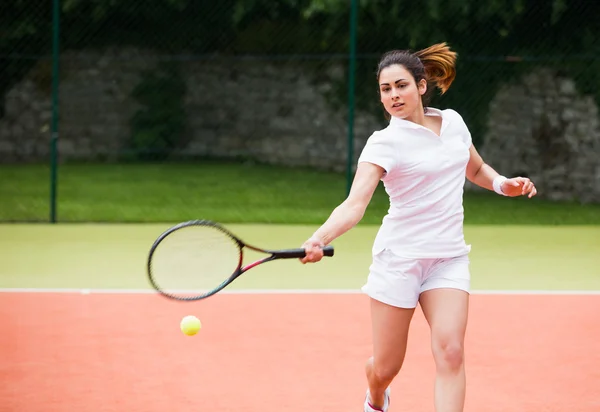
<point>277,112</point>
<point>273,111</point>
<point>542,128</point>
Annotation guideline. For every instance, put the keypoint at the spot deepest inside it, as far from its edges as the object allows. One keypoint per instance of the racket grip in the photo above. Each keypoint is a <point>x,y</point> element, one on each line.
<point>328,251</point>
<point>300,253</point>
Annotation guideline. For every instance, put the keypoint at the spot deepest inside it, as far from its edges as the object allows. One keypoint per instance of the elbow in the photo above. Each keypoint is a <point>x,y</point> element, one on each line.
<point>354,211</point>
<point>472,173</point>
<point>357,214</point>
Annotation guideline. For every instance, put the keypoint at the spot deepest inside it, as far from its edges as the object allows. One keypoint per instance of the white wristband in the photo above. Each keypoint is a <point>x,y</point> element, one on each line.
<point>497,184</point>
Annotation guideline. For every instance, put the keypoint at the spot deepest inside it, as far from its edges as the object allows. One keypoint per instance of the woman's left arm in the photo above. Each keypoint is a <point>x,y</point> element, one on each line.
<point>483,175</point>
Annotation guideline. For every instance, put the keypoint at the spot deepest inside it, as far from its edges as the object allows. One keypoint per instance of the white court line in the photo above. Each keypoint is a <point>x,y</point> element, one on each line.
<point>285,291</point>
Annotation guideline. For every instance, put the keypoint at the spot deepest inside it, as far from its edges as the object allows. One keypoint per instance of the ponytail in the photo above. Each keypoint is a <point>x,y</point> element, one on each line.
<point>439,63</point>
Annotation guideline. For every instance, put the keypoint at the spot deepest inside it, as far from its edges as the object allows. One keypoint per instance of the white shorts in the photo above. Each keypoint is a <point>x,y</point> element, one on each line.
<point>399,281</point>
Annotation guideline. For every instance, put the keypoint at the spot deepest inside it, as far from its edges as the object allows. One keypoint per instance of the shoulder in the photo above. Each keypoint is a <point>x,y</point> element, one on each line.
<point>457,125</point>
<point>383,141</point>
<point>382,136</point>
<point>451,114</point>
<point>380,149</point>
<point>454,118</point>
<point>380,142</point>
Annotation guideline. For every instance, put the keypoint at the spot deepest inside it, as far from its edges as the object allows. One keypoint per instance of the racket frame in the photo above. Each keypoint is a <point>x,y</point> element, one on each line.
<point>296,253</point>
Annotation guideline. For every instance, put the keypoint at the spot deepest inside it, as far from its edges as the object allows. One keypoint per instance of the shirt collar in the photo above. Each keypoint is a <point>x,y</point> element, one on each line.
<point>431,111</point>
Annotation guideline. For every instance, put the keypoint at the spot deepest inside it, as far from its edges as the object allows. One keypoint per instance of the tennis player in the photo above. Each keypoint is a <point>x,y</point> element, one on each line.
<point>419,253</point>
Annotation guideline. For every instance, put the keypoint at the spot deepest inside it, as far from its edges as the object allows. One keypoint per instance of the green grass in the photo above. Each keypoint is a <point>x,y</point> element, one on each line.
<point>517,243</point>
<point>230,193</point>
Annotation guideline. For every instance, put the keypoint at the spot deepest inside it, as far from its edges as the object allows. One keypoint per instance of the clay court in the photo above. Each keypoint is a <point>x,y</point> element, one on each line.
<point>96,352</point>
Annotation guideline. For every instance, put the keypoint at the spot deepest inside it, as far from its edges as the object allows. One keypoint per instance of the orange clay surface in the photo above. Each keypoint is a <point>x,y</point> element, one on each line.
<point>293,353</point>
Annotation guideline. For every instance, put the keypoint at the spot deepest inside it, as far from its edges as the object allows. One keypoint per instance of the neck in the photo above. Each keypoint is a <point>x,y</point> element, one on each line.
<point>417,117</point>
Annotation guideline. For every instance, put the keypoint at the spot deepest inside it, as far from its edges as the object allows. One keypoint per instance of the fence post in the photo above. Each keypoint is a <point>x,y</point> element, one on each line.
<point>54,127</point>
<point>351,81</point>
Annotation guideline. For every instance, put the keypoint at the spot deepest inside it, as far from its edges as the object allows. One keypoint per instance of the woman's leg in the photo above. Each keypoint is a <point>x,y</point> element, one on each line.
<point>446,311</point>
<point>390,326</point>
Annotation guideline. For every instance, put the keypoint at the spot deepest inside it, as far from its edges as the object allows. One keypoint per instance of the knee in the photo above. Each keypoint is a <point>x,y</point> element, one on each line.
<point>448,353</point>
<point>382,372</point>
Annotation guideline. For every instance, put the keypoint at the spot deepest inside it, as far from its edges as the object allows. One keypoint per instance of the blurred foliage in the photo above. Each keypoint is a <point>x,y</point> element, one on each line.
<point>556,33</point>
<point>158,126</point>
<point>501,26</point>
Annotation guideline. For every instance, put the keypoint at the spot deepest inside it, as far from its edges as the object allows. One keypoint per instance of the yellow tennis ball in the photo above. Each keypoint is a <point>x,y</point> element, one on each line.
<point>190,325</point>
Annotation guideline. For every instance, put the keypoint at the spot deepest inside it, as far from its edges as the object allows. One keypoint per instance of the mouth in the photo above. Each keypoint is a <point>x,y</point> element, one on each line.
<point>395,105</point>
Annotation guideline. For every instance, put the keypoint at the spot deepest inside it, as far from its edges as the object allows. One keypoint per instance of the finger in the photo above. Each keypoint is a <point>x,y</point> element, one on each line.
<point>315,255</point>
<point>522,181</point>
<point>533,192</point>
<point>306,255</point>
<point>514,182</point>
<point>530,186</point>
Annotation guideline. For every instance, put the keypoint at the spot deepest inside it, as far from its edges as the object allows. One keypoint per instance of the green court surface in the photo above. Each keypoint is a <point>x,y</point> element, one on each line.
<point>108,256</point>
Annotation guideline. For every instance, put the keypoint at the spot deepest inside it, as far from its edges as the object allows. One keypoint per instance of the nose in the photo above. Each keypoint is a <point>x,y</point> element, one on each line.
<point>395,93</point>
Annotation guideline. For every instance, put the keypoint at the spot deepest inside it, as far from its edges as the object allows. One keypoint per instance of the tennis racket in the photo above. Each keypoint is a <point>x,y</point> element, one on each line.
<point>196,259</point>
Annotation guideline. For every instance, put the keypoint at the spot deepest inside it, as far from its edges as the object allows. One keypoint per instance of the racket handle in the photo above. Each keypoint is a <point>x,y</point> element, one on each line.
<point>300,253</point>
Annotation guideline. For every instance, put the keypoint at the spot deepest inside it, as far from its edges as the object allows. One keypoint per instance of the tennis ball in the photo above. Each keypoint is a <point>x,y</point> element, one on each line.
<point>190,325</point>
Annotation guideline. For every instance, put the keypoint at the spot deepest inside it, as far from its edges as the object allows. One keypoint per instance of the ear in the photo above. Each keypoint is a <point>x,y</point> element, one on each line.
<point>422,86</point>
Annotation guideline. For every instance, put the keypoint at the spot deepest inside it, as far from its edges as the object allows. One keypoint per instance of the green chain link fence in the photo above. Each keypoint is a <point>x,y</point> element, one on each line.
<point>189,83</point>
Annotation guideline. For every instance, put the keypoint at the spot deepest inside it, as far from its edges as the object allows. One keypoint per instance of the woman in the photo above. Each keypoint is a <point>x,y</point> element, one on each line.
<point>419,254</point>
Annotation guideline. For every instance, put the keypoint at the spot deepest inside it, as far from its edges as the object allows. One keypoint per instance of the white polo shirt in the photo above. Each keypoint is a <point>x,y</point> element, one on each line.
<point>425,178</point>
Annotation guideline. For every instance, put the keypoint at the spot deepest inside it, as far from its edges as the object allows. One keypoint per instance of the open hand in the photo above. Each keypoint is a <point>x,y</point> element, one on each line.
<point>519,186</point>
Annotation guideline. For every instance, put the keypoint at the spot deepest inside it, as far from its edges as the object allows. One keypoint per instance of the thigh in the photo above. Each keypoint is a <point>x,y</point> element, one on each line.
<point>446,311</point>
<point>390,325</point>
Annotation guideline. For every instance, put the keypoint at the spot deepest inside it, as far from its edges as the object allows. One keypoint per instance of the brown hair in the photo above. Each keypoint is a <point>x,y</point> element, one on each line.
<point>435,64</point>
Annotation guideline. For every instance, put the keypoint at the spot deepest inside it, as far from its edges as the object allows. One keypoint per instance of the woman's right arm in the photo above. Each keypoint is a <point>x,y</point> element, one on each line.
<point>348,213</point>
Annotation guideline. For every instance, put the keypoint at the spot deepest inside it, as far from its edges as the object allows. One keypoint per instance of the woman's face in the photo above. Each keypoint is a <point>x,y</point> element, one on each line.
<point>400,95</point>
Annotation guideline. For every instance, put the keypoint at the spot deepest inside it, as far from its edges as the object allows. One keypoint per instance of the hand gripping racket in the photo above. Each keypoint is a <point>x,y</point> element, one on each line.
<point>196,259</point>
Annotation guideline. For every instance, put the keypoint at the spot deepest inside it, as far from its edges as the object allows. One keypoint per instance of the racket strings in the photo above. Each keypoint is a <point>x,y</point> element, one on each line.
<point>194,260</point>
